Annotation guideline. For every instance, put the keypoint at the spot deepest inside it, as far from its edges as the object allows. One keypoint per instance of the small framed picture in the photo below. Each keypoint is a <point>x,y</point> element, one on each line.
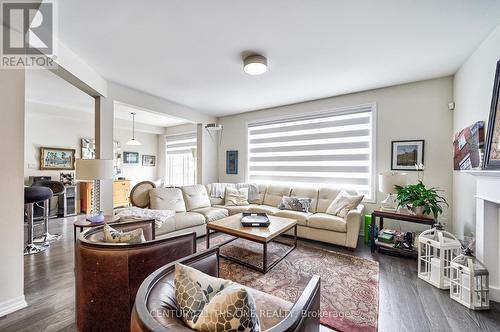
<point>405,154</point>
<point>130,158</point>
<point>57,159</point>
<point>232,162</point>
<point>148,160</point>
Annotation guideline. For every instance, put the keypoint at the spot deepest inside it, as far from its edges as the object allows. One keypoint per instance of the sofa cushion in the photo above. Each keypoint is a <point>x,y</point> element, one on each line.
<point>262,191</point>
<point>343,203</point>
<point>195,197</point>
<point>188,219</point>
<point>167,199</point>
<point>236,196</point>
<point>167,227</point>
<point>302,204</point>
<point>309,192</point>
<point>264,209</point>
<point>301,217</point>
<point>327,222</point>
<point>235,209</point>
<point>213,304</point>
<point>212,213</point>
<point>274,193</point>
<point>111,235</point>
<point>326,195</point>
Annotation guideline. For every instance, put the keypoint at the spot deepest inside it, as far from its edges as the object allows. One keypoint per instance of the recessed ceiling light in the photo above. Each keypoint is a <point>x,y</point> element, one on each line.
<point>255,64</point>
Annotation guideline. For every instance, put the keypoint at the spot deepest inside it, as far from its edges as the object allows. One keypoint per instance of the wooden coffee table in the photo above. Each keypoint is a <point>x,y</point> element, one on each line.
<point>231,225</point>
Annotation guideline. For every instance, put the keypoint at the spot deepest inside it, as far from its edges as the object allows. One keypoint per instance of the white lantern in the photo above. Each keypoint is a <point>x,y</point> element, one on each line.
<point>469,282</point>
<point>436,249</point>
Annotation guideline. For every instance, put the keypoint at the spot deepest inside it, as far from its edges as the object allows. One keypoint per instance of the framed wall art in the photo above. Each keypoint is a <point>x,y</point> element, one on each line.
<point>467,147</point>
<point>130,158</point>
<point>57,159</point>
<point>405,154</point>
<point>232,162</point>
<point>148,160</point>
<point>492,147</point>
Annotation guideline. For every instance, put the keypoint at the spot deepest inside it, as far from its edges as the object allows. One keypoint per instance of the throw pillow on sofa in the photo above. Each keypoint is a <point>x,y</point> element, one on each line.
<point>205,302</point>
<point>343,203</point>
<point>302,204</point>
<point>236,197</point>
<point>112,235</point>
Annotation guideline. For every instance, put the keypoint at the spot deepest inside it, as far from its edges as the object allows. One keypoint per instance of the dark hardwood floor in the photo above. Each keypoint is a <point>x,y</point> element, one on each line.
<point>406,303</point>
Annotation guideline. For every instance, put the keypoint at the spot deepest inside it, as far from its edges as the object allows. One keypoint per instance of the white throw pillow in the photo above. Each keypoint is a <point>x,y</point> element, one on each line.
<point>206,302</point>
<point>343,203</point>
<point>236,197</point>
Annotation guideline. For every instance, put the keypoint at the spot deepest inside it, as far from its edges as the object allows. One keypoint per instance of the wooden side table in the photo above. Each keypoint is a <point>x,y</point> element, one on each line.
<point>396,216</point>
<point>83,223</point>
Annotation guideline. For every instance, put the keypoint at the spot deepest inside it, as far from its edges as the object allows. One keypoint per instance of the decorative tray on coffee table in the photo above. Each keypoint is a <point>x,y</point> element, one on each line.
<point>255,220</point>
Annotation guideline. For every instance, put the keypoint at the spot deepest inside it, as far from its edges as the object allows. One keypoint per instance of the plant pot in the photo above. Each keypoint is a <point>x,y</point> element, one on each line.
<point>419,211</point>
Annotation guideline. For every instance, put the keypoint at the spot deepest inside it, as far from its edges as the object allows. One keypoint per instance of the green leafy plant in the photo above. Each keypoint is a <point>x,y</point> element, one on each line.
<point>417,195</point>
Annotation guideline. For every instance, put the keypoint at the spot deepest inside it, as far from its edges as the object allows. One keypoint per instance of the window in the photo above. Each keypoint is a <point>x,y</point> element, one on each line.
<point>181,160</point>
<point>332,148</point>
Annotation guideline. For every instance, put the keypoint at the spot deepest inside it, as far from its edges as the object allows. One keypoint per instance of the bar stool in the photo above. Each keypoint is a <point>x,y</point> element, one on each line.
<point>34,195</point>
<point>57,190</point>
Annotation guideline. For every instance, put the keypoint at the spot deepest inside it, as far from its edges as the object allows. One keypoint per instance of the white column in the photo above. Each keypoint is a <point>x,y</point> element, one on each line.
<point>12,193</point>
<point>104,123</point>
<point>162,155</point>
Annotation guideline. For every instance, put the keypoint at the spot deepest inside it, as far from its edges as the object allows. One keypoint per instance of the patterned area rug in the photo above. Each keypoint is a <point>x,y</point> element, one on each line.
<point>349,284</point>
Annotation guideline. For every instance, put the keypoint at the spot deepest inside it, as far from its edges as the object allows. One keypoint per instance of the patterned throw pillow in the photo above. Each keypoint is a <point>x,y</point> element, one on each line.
<point>301,204</point>
<point>236,197</point>
<point>213,304</point>
<point>111,235</point>
<point>343,203</point>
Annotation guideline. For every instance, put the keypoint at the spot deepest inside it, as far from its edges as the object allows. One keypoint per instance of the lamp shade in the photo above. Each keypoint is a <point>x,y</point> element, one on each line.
<point>94,169</point>
<point>388,180</point>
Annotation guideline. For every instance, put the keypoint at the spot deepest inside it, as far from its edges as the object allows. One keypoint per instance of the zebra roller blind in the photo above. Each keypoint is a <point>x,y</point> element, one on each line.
<point>181,144</point>
<point>333,148</point>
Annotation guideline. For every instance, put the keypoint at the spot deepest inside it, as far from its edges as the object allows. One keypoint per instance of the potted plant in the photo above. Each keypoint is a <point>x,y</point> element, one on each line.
<point>421,200</point>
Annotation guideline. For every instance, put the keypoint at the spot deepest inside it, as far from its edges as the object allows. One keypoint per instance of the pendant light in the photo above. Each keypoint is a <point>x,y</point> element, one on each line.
<point>133,141</point>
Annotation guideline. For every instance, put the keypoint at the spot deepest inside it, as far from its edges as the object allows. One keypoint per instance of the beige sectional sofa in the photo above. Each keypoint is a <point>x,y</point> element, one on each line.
<point>194,207</point>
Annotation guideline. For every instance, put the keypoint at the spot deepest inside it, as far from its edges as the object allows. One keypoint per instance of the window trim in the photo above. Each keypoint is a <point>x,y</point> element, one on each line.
<point>336,111</point>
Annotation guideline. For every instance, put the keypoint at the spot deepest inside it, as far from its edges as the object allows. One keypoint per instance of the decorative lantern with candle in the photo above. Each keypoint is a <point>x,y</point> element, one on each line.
<point>469,281</point>
<point>436,249</point>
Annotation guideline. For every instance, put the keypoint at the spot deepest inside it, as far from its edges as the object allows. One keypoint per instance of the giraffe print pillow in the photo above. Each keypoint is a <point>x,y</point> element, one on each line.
<point>207,303</point>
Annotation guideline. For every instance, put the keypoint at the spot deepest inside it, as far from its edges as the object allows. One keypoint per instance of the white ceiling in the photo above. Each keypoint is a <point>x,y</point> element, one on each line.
<point>44,87</point>
<point>122,111</point>
<point>190,51</point>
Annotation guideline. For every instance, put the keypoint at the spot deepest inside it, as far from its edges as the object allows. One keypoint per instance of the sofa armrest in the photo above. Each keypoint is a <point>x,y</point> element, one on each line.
<point>304,315</point>
<point>354,219</point>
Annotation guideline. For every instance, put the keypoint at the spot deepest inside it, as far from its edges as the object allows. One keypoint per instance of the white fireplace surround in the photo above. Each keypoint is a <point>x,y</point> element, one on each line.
<point>488,225</point>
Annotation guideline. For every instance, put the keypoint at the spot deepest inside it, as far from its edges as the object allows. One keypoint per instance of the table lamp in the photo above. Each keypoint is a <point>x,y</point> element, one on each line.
<point>94,170</point>
<point>387,182</point>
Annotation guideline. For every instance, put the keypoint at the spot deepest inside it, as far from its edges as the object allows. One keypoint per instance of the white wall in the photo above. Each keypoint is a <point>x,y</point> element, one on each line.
<point>472,89</point>
<point>410,111</point>
<point>12,192</point>
<point>53,126</point>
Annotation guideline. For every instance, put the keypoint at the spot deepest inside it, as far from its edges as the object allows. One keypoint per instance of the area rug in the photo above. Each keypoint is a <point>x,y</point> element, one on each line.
<point>349,284</point>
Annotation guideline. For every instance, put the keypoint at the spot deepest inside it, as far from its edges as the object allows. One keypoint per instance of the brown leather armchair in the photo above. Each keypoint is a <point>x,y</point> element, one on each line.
<point>108,275</point>
<point>155,308</point>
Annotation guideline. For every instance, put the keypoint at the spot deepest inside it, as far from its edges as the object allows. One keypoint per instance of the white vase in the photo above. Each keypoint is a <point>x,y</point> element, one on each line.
<point>419,211</point>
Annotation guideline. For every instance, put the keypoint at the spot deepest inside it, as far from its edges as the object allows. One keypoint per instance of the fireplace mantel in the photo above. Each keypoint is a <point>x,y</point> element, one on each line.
<point>488,224</point>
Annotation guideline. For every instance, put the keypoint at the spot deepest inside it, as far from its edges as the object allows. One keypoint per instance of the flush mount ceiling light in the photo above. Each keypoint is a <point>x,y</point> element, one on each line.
<point>133,141</point>
<point>255,64</point>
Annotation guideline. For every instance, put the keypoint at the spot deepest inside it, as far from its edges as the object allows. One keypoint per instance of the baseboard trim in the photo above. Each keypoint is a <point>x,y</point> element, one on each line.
<point>11,305</point>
